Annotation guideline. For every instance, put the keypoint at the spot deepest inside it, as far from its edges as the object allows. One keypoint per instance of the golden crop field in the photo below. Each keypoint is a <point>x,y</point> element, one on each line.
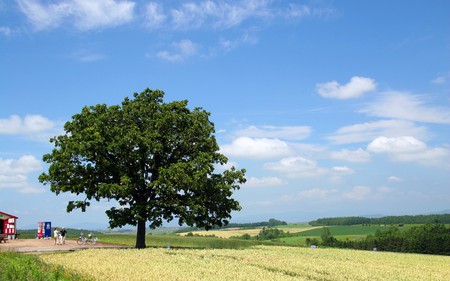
<point>259,263</point>
<point>229,232</point>
<point>226,233</point>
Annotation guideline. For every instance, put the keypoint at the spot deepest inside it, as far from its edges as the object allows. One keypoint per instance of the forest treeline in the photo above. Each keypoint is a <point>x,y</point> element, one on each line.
<point>423,239</point>
<point>269,223</point>
<point>388,220</point>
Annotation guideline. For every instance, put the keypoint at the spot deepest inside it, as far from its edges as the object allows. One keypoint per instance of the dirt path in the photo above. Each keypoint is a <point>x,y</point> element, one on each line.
<point>48,245</point>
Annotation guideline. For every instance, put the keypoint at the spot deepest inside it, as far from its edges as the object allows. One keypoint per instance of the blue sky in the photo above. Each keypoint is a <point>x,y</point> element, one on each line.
<point>333,107</point>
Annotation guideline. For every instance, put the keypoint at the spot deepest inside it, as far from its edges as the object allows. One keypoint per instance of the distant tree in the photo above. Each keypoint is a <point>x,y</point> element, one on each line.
<point>327,238</point>
<point>275,222</point>
<point>155,159</point>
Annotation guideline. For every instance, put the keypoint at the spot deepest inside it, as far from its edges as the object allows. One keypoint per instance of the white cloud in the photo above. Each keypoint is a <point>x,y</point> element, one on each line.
<point>283,132</point>
<point>410,149</point>
<point>396,145</point>
<point>357,87</point>
<point>358,193</point>
<point>181,50</point>
<point>263,182</point>
<point>358,155</point>
<point>317,193</point>
<point>394,179</point>
<point>364,132</point>
<point>83,14</point>
<point>342,170</point>
<point>14,173</point>
<point>29,124</point>
<point>296,167</point>
<point>256,148</point>
<point>406,106</point>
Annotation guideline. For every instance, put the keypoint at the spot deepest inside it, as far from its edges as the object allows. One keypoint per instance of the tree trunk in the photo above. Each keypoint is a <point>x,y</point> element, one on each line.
<point>140,236</point>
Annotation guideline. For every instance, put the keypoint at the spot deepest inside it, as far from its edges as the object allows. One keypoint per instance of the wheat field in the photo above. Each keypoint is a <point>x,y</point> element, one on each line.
<point>258,263</point>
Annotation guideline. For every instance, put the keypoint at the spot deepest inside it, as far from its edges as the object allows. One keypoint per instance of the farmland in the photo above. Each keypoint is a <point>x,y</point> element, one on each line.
<point>178,257</point>
<point>255,263</point>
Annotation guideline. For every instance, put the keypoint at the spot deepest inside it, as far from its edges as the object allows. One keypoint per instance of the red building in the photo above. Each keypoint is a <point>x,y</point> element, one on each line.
<point>8,224</point>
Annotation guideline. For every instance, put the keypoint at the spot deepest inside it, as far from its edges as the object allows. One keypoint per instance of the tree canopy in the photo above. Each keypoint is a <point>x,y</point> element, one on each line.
<point>157,160</point>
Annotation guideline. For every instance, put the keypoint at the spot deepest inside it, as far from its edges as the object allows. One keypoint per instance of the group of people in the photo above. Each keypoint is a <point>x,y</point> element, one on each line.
<point>60,236</point>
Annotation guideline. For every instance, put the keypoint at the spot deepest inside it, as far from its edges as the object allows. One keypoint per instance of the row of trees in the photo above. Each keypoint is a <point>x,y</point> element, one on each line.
<point>423,239</point>
<point>420,219</point>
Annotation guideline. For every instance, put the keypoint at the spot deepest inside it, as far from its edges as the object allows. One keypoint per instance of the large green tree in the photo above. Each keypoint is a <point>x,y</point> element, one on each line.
<point>156,159</point>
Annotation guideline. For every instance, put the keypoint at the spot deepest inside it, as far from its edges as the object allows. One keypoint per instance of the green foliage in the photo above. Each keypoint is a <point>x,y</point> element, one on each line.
<point>423,239</point>
<point>155,159</point>
<point>327,238</point>
<point>420,219</point>
<point>17,267</point>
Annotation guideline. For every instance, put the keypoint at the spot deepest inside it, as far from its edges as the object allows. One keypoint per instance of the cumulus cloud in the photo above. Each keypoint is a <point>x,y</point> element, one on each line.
<point>264,182</point>
<point>364,132</point>
<point>296,167</point>
<point>83,14</point>
<point>14,173</point>
<point>396,145</point>
<point>356,88</point>
<point>29,124</point>
<point>358,155</point>
<point>281,132</point>
<point>256,148</point>
<point>410,149</point>
<point>405,106</point>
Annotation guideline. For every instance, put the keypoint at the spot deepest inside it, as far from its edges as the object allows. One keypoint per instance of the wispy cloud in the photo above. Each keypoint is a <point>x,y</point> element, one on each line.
<point>180,51</point>
<point>406,106</point>
<point>358,193</point>
<point>88,56</point>
<point>5,30</point>
<point>368,131</point>
<point>279,132</point>
<point>441,79</point>
<point>264,182</point>
<point>83,14</point>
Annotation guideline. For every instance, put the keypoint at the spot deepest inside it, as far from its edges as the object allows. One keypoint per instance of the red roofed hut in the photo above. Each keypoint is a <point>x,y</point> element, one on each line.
<point>8,225</point>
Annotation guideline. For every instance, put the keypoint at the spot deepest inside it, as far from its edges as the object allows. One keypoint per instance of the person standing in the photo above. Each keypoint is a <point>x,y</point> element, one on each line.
<point>63,235</point>
<point>56,235</point>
